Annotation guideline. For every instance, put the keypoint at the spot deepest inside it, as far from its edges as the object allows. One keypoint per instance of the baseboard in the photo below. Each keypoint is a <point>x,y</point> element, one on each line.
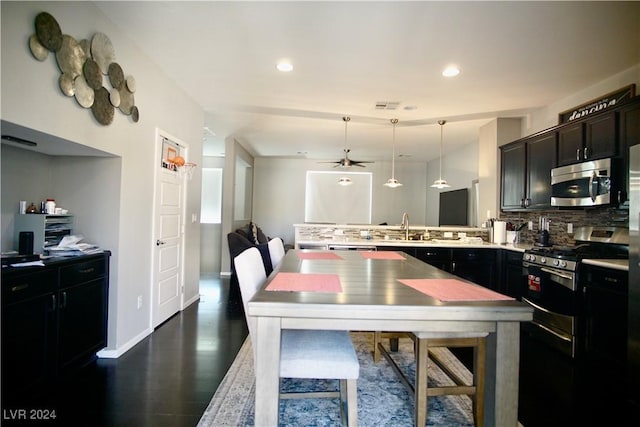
<point>191,301</point>
<point>115,353</point>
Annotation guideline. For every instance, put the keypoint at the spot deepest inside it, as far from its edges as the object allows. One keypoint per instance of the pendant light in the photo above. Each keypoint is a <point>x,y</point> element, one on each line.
<point>345,180</point>
<point>440,183</point>
<point>393,182</point>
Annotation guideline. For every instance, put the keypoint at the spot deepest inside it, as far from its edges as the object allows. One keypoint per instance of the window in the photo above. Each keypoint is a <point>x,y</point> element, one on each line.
<point>211,210</point>
<point>328,202</point>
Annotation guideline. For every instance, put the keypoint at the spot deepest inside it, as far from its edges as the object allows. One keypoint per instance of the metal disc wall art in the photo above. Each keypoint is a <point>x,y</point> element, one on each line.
<point>37,50</point>
<point>102,108</point>
<point>48,31</point>
<point>92,73</point>
<point>82,66</point>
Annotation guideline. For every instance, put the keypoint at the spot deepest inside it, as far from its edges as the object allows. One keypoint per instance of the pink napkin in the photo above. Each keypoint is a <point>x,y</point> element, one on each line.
<point>318,255</point>
<point>453,290</point>
<point>381,255</point>
<point>301,282</point>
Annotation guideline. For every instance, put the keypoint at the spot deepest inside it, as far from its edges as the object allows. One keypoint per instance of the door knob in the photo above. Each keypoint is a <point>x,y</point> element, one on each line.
<point>160,242</point>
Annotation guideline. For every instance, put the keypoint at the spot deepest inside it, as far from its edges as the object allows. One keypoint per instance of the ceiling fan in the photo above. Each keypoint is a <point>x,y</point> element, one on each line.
<point>346,162</point>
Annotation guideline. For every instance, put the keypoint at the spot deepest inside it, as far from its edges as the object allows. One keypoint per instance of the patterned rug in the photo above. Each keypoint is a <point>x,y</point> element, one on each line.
<point>382,399</point>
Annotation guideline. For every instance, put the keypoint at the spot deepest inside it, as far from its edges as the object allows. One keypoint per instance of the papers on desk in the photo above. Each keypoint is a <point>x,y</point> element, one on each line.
<point>71,246</point>
<point>453,290</point>
<point>300,282</point>
<point>28,264</point>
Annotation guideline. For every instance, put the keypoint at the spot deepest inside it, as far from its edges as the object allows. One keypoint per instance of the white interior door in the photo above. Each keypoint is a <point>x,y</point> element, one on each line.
<point>168,241</point>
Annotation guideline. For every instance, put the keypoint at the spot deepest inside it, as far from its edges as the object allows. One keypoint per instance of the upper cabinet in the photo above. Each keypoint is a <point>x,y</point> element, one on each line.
<point>591,139</point>
<point>526,172</point>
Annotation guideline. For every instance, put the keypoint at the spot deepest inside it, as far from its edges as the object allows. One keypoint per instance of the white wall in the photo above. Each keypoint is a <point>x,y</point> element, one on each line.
<point>31,97</point>
<point>211,234</point>
<point>459,168</point>
<point>279,192</point>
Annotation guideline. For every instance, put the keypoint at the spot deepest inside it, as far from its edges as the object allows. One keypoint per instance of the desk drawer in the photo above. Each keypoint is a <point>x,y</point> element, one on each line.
<point>22,286</point>
<point>82,272</point>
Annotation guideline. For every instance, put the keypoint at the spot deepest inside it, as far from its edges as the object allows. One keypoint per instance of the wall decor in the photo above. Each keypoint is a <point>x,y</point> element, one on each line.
<point>83,66</point>
<point>596,105</point>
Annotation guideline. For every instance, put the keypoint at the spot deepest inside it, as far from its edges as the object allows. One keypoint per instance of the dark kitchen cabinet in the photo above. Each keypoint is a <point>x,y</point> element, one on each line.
<point>476,265</point>
<point>513,176</point>
<point>473,264</point>
<point>513,277</point>
<point>54,319</point>
<point>526,172</point>
<point>629,131</point>
<point>438,257</point>
<point>605,294</point>
<point>28,330</point>
<point>590,139</point>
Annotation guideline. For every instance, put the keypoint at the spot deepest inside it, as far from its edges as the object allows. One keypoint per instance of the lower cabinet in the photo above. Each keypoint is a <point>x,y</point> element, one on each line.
<point>54,318</point>
<point>513,276</point>
<point>473,264</point>
<point>605,314</point>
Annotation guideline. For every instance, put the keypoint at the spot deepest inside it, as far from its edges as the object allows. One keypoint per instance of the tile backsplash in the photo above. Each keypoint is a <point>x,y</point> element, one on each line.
<point>560,219</point>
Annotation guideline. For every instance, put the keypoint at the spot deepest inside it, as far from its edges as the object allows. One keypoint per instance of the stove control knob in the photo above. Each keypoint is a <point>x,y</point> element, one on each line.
<point>543,260</point>
<point>556,262</point>
<point>530,257</point>
<point>563,263</point>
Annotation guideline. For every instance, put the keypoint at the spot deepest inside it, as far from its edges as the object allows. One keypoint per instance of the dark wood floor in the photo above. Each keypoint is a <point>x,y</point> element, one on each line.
<point>168,379</point>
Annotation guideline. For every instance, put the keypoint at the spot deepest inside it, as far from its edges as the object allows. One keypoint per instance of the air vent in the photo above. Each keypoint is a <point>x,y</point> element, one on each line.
<point>387,105</point>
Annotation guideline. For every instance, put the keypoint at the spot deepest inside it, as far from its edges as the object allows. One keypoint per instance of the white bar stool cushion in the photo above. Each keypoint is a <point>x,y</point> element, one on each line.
<point>317,354</point>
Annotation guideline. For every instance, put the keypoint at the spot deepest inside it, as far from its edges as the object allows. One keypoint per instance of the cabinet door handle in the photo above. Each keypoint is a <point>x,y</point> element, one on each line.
<point>19,288</point>
<point>453,267</point>
<point>577,154</point>
<point>53,302</point>
<point>522,203</point>
<point>63,303</point>
<point>586,152</point>
<point>527,202</point>
<point>87,270</point>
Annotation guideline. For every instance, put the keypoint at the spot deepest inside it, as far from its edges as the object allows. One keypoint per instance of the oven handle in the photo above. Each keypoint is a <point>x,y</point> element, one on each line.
<point>592,181</point>
<point>556,273</point>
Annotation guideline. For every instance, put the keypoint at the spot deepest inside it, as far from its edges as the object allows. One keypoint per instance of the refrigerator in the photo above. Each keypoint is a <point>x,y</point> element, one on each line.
<point>633,331</point>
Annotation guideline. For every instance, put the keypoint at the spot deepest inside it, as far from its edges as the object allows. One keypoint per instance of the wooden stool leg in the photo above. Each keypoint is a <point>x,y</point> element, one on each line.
<point>377,337</point>
<point>479,361</point>
<point>352,402</point>
<point>420,397</point>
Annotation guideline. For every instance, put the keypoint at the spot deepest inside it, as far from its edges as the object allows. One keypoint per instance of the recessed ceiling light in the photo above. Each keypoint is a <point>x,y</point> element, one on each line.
<point>451,71</point>
<point>284,66</point>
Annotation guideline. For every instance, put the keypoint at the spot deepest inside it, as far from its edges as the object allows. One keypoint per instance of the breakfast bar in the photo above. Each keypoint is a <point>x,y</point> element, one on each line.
<point>370,296</point>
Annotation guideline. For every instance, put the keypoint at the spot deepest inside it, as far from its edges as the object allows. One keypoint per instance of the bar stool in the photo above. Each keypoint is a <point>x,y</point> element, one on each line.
<point>423,342</point>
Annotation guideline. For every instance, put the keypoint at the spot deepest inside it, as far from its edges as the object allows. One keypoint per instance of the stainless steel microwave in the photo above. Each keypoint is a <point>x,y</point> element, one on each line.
<point>582,184</point>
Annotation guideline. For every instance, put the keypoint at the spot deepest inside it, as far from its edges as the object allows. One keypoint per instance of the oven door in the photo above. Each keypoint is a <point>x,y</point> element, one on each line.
<point>552,295</point>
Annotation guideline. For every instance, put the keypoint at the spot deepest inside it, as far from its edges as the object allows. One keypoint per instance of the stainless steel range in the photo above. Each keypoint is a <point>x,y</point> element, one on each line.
<point>553,286</point>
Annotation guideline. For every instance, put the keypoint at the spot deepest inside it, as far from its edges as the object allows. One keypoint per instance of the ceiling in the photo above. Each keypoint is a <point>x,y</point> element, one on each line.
<point>350,56</point>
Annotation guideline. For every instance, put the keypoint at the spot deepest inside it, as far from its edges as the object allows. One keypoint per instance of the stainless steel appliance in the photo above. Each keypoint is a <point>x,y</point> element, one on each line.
<point>633,332</point>
<point>584,184</point>
<point>553,285</point>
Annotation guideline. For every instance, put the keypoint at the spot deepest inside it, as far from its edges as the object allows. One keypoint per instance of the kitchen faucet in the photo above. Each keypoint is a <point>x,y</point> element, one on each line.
<point>405,225</point>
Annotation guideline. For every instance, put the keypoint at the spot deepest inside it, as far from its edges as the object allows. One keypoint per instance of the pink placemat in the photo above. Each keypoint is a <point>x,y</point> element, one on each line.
<point>381,255</point>
<point>453,290</point>
<point>318,255</point>
<point>301,282</point>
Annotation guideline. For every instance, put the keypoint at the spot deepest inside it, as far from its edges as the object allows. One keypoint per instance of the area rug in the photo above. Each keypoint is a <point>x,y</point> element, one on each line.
<point>382,399</point>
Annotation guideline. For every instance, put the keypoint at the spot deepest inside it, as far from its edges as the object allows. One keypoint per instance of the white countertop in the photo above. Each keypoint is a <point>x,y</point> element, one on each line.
<point>411,243</point>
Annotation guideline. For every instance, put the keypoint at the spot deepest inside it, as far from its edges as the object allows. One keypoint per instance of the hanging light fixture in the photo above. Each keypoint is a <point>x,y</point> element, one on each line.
<point>440,183</point>
<point>393,182</point>
<point>344,181</point>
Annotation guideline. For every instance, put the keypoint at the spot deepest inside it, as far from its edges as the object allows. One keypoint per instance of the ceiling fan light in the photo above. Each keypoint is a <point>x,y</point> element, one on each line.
<point>392,183</point>
<point>344,181</point>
